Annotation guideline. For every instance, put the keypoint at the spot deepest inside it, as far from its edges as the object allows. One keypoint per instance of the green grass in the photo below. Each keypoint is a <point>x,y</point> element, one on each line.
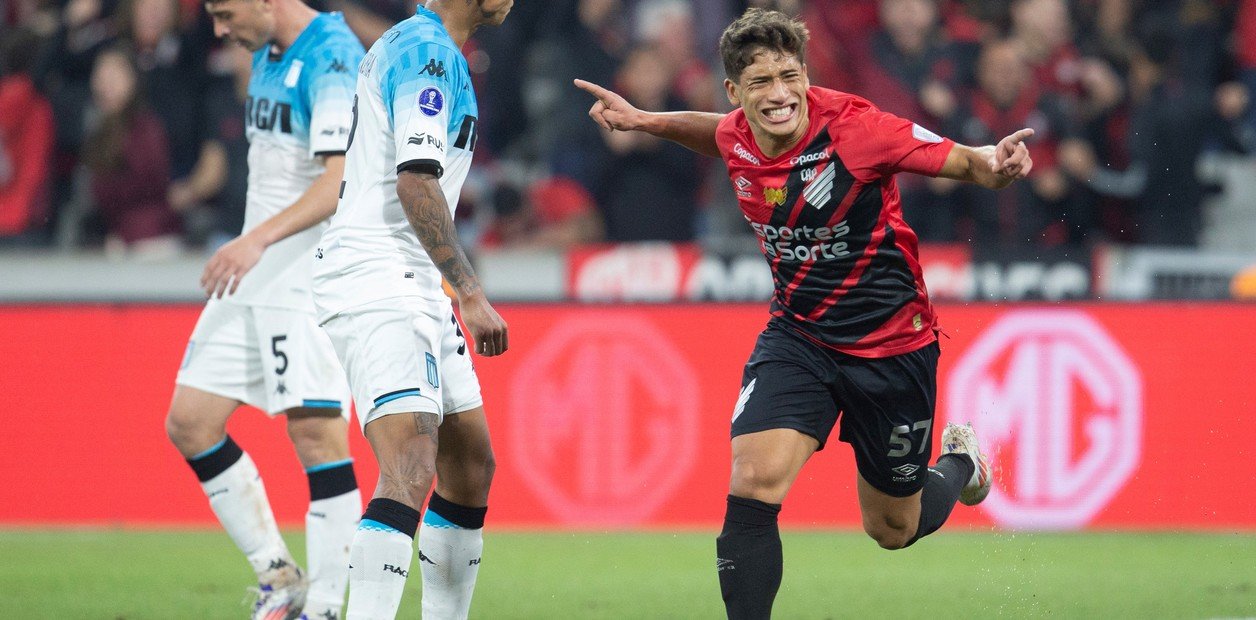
<point>195,574</point>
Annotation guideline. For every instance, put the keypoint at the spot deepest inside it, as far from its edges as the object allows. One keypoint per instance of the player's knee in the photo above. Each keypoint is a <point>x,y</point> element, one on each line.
<point>187,431</point>
<point>407,478</point>
<point>758,480</point>
<point>889,532</point>
<point>318,440</point>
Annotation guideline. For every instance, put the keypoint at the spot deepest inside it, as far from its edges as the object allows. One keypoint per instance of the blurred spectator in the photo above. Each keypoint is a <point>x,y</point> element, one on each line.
<point>26,138</point>
<point>668,26</point>
<point>1046,210</point>
<point>129,161</point>
<point>1045,35</point>
<point>907,67</point>
<point>588,43</point>
<point>555,214</point>
<point>172,66</point>
<point>1166,135</point>
<point>218,187</point>
<point>648,190</point>
<point>842,28</point>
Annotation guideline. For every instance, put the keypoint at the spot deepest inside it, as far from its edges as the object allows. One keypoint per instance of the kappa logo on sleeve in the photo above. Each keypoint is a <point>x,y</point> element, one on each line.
<point>337,66</point>
<point>431,101</point>
<point>434,68</point>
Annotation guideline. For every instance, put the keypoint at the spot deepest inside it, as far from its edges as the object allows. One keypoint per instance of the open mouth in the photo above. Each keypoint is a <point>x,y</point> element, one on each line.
<point>780,114</point>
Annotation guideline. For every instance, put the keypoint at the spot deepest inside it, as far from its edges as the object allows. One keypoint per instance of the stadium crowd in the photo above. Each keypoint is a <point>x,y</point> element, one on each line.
<point>122,121</point>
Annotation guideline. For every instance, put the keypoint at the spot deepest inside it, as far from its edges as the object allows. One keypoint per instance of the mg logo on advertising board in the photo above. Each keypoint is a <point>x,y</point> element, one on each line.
<point>604,419</point>
<point>1059,404</point>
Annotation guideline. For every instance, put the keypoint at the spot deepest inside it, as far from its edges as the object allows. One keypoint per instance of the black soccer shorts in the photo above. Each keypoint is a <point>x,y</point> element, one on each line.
<point>885,404</point>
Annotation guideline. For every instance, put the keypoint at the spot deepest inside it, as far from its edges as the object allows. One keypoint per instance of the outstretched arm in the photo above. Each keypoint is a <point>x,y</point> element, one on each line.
<point>428,213</point>
<point>993,167</point>
<point>692,130</point>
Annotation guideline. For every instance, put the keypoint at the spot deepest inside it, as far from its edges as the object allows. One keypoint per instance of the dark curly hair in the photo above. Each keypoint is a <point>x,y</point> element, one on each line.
<point>758,30</point>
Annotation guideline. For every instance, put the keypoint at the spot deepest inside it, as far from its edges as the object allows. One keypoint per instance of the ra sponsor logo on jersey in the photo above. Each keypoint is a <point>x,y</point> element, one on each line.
<point>743,187</point>
<point>745,154</point>
<point>431,101</point>
<point>803,243</point>
<point>421,138</point>
<point>775,196</point>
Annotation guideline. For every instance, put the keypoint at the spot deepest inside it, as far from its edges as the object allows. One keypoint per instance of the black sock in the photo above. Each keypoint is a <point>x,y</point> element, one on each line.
<point>749,558</point>
<point>945,480</point>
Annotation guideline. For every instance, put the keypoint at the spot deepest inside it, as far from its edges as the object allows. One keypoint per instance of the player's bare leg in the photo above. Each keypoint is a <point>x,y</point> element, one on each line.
<point>960,474</point>
<point>891,521</point>
<point>765,465</point>
<point>320,436</point>
<point>405,446</point>
<point>196,424</point>
<point>451,537</point>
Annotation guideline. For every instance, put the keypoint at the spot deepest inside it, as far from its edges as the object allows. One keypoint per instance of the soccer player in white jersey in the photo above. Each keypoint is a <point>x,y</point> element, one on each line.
<point>377,285</point>
<point>257,341</point>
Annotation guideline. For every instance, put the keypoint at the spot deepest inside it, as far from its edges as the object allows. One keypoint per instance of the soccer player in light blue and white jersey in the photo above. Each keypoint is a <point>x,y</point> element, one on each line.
<point>377,285</point>
<point>257,341</point>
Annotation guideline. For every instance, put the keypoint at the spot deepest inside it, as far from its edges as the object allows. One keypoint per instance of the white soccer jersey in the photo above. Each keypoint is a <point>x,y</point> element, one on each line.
<point>298,109</point>
<point>414,109</point>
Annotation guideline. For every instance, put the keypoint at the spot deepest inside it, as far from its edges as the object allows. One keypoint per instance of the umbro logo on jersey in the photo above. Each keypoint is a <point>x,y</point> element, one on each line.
<point>820,190</point>
<point>743,187</point>
<point>434,68</point>
<point>775,195</point>
<point>337,66</point>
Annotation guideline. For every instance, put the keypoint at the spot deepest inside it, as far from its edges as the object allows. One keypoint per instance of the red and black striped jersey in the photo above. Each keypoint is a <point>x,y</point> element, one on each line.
<point>830,224</point>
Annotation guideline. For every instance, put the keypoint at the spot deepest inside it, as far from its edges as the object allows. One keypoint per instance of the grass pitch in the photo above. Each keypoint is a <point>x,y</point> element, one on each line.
<point>107,574</point>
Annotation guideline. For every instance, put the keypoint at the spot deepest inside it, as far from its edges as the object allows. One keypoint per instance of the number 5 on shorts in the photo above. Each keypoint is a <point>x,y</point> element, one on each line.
<point>283,357</point>
<point>900,438</point>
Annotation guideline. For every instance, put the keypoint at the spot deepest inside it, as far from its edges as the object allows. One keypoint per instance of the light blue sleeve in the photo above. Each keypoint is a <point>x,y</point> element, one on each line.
<point>329,91</point>
<point>420,89</point>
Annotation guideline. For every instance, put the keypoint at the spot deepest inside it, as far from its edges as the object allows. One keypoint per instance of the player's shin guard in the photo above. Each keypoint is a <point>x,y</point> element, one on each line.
<point>749,558</point>
<point>379,560</point>
<point>450,544</point>
<point>942,486</point>
<point>330,525</point>
<point>238,499</point>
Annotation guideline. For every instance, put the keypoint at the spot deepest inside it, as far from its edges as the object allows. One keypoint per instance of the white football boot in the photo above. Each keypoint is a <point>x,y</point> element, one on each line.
<point>958,439</point>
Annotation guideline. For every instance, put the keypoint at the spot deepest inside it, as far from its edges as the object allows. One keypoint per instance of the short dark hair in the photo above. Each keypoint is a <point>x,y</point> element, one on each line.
<point>761,30</point>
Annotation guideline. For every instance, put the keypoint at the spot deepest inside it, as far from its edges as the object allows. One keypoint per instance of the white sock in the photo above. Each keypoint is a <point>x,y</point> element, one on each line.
<point>449,558</point>
<point>330,526</point>
<point>379,563</point>
<point>238,498</point>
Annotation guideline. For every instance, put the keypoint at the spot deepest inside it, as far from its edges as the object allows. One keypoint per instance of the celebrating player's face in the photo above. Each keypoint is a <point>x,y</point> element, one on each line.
<point>773,93</point>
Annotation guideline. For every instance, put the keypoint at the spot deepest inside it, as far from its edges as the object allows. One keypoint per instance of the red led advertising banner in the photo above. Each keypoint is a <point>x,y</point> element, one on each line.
<point>609,417</point>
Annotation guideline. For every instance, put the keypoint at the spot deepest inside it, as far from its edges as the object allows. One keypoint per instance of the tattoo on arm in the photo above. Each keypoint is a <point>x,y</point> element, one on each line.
<point>428,213</point>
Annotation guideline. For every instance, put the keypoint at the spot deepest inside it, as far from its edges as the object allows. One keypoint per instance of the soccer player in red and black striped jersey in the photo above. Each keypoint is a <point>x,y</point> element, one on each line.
<point>852,331</point>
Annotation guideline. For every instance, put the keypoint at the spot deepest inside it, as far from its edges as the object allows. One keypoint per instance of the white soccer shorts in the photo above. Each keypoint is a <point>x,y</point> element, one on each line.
<point>405,355</point>
<point>272,358</point>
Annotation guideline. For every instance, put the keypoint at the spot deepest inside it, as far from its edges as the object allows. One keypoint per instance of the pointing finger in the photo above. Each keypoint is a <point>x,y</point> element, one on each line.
<point>592,89</point>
